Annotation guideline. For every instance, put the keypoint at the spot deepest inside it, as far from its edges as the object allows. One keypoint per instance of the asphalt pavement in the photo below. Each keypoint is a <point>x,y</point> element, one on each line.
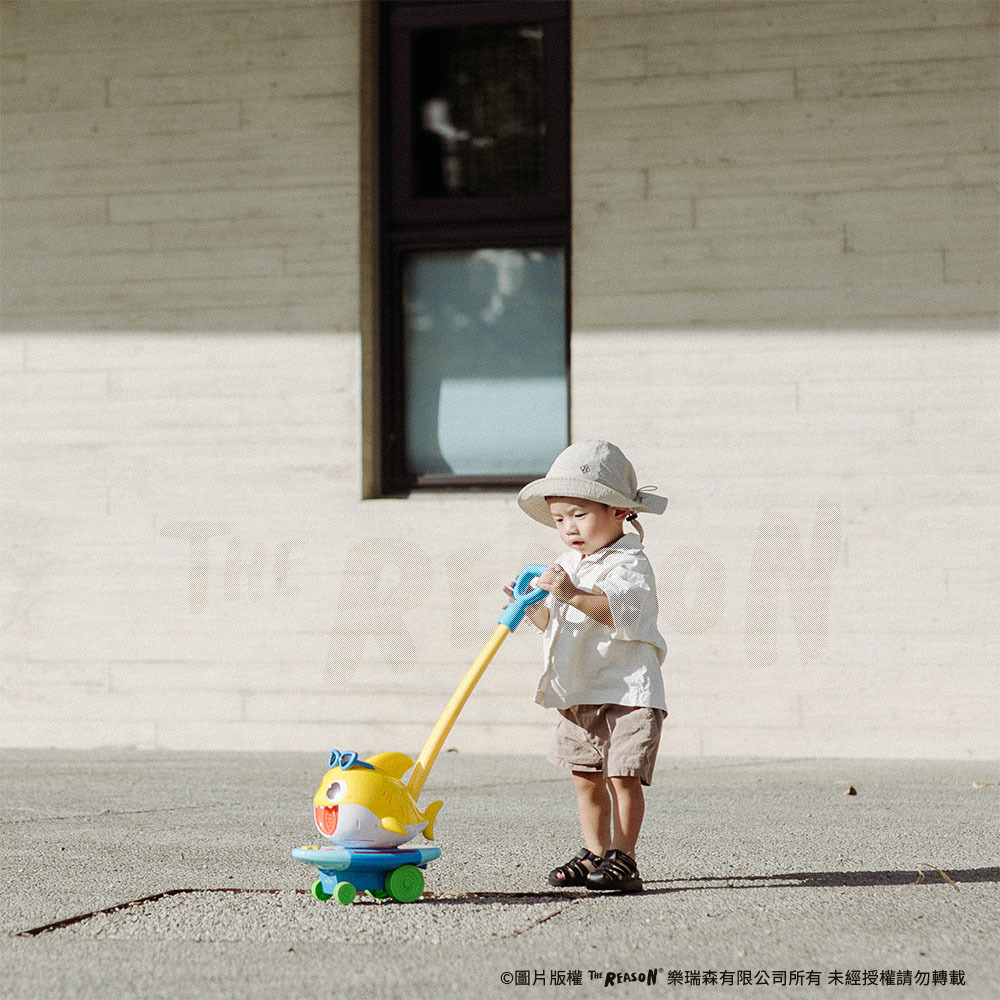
<point>131,874</point>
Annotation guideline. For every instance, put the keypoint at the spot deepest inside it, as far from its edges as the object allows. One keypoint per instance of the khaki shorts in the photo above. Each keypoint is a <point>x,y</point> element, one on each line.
<point>618,741</point>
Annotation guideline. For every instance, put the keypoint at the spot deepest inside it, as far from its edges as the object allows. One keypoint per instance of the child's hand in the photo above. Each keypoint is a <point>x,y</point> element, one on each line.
<point>509,591</point>
<point>595,605</point>
<point>537,614</point>
<point>558,583</point>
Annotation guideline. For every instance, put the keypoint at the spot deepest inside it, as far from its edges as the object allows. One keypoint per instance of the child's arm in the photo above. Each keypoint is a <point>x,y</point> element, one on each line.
<point>538,614</point>
<point>558,583</point>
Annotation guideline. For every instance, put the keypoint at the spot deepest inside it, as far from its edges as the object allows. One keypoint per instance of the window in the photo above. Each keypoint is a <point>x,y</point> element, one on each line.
<point>469,346</point>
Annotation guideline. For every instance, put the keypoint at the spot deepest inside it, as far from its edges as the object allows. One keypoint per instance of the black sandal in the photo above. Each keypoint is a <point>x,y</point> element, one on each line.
<point>575,871</point>
<point>618,872</point>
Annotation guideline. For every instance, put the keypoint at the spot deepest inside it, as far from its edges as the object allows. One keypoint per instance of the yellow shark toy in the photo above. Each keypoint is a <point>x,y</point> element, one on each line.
<point>366,810</point>
<point>364,804</point>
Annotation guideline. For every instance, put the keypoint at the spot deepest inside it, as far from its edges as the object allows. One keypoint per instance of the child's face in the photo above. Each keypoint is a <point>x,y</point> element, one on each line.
<point>585,525</point>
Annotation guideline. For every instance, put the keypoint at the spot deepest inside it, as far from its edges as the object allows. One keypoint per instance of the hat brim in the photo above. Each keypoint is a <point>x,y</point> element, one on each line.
<point>532,501</point>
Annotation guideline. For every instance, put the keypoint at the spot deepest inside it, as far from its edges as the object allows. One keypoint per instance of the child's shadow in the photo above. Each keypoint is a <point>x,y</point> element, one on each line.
<point>925,874</point>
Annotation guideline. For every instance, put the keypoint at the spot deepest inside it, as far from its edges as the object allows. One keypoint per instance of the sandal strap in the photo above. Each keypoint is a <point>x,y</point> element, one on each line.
<point>619,867</point>
<point>575,867</point>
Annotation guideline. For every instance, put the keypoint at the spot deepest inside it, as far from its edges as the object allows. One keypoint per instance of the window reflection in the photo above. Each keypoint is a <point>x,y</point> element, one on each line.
<point>486,361</point>
<point>477,110</point>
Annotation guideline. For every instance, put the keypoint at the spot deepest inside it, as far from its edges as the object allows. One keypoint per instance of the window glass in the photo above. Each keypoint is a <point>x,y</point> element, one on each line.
<point>477,115</point>
<point>485,378</point>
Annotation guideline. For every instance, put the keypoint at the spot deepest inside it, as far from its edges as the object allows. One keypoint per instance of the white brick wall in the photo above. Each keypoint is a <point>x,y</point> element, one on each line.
<point>797,165</point>
<point>784,309</point>
<point>786,231</point>
<point>180,166</point>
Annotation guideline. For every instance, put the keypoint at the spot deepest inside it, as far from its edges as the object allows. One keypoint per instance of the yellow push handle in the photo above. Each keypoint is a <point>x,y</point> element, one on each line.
<point>443,726</point>
<point>524,595</point>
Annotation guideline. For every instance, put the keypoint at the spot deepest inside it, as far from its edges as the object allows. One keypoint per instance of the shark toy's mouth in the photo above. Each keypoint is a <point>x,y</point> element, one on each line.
<point>326,819</point>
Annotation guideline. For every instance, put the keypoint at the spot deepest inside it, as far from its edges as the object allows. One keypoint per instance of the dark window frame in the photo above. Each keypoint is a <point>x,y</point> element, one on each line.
<point>399,223</point>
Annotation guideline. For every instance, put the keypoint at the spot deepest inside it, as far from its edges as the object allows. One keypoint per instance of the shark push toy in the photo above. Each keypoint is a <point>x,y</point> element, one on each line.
<point>368,813</point>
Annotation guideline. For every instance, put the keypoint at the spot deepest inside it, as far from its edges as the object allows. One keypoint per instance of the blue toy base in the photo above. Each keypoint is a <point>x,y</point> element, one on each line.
<point>394,873</point>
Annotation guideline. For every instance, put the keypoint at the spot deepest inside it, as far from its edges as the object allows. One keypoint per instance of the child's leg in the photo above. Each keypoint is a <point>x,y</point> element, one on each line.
<point>594,806</point>
<point>629,809</point>
<point>634,737</point>
<point>618,871</point>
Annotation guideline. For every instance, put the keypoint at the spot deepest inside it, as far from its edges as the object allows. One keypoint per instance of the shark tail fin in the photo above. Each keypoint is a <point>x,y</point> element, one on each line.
<point>431,813</point>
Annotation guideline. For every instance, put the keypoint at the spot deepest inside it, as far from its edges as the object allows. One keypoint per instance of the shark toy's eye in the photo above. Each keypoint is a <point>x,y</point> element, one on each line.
<point>336,791</point>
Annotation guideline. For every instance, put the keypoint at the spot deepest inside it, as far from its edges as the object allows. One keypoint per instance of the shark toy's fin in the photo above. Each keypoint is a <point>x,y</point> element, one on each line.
<point>396,764</point>
<point>430,814</point>
<point>393,825</point>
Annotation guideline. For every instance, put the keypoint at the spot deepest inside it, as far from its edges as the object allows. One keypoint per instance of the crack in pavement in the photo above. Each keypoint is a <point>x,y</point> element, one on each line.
<point>481,898</point>
<point>786,880</point>
<point>116,907</point>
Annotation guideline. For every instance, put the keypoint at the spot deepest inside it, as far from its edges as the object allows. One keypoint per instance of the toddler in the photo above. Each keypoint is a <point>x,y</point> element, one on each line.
<point>602,653</point>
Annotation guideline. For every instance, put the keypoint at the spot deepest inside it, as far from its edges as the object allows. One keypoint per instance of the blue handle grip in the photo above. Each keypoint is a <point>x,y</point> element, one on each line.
<point>524,595</point>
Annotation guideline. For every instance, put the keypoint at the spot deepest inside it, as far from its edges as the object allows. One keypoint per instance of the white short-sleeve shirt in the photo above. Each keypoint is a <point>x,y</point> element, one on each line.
<point>586,663</point>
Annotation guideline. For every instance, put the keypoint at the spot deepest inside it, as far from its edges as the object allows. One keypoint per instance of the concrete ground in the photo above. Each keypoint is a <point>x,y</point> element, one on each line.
<point>161,875</point>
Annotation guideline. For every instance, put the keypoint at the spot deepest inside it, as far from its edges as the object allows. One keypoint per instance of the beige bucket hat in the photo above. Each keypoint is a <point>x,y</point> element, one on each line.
<point>590,470</point>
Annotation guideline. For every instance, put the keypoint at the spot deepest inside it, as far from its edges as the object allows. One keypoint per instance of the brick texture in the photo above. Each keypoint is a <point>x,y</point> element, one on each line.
<point>784,309</point>
<point>179,166</point>
<point>785,299</point>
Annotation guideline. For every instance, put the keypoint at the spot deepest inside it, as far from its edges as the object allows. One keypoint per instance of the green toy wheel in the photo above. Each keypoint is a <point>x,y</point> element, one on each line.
<point>405,884</point>
<point>344,893</point>
<point>318,892</point>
